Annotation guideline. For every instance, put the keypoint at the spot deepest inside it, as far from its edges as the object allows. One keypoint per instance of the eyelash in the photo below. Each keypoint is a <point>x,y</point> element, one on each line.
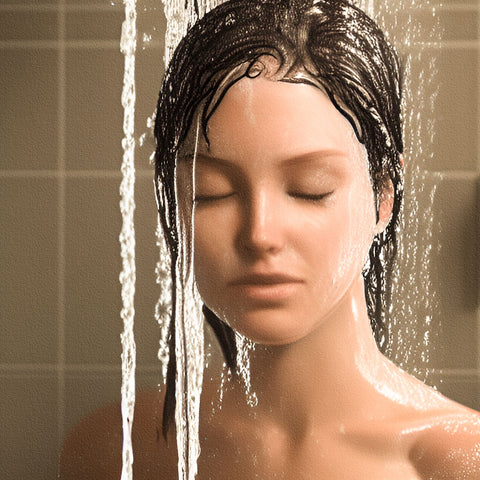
<point>310,197</point>
<point>211,198</point>
<point>301,196</point>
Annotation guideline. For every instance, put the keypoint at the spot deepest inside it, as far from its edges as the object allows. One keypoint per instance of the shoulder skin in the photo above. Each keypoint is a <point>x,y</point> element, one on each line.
<point>448,448</point>
<point>93,449</point>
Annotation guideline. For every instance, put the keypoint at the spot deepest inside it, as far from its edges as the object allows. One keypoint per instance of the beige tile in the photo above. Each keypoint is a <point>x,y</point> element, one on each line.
<point>147,381</point>
<point>151,25</point>
<point>32,3</point>
<point>93,300</point>
<point>453,341</point>
<point>457,210</point>
<point>93,267</point>
<point>455,79</point>
<point>28,117</point>
<point>28,25</point>
<point>28,255</point>
<point>470,3</point>
<point>86,392</point>
<point>94,111</point>
<point>455,115</point>
<point>459,25</point>
<point>113,4</point>
<point>464,389</point>
<point>150,69</point>
<point>147,331</point>
<point>457,110</point>
<point>28,415</point>
<point>434,302</point>
<point>455,269</point>
<point>449,25</point>
<point>94,25</point>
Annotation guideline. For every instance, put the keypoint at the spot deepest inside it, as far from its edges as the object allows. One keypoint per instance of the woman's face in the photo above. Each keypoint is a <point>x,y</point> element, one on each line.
<point>284,210</point>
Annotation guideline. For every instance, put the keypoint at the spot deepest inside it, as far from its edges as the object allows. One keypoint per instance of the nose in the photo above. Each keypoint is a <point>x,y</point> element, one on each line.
<point>262,229</point>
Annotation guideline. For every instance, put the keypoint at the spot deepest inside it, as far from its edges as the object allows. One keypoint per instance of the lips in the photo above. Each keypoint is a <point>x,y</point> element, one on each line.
<point>265,279</point>
<point>267,288</point>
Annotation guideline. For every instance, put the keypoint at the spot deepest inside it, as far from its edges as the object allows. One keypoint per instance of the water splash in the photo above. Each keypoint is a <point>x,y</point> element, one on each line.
<point>244,347</point>
<point>415,306</point>
<point>189,334</point>
<point>127,236</point>
<point>163,308</point>
<point>147,38</point>
<point>182,14</point>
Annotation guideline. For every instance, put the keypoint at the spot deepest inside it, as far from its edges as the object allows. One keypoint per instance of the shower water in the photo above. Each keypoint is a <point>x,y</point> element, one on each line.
<point>415,243</point>
<point>414,316</point>
<point>127,236</point>
<point>189,335</point>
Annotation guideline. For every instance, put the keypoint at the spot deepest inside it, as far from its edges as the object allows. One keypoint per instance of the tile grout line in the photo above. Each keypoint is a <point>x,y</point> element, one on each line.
<point>96,174</point>
<point>61,222</point>
<point>70,8</point>
<point>48,368</point>
<point>478,198</point>
<point>52,44</point>
<point>74,43</point>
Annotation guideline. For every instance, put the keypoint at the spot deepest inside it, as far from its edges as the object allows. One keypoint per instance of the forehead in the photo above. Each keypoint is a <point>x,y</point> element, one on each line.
<point>265,119</point>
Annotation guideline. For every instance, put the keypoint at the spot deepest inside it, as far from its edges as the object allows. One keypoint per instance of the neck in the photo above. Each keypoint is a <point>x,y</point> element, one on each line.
<point>319,378</point>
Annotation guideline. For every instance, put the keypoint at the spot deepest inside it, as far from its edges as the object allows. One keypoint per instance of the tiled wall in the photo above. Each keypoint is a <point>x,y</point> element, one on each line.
<point>61,124</point>
<point>61,130</point>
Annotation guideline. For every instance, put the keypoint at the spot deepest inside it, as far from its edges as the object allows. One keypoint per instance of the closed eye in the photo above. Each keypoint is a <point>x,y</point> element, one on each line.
<point>314,197</point>
<point>212,198</point>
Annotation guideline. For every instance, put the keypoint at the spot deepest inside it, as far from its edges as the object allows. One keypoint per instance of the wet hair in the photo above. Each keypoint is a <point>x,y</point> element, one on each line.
<point>329,43</point>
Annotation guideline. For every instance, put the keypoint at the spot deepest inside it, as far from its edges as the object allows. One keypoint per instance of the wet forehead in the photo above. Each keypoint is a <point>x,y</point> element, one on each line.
<point>264,119</point>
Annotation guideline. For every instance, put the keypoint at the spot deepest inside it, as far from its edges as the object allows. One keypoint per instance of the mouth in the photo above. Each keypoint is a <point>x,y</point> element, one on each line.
<point>266,279</point>
<point>268,287</point>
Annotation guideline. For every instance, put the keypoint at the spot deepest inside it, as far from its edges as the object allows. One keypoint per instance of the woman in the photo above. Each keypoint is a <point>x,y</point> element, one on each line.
<point>278,129</point>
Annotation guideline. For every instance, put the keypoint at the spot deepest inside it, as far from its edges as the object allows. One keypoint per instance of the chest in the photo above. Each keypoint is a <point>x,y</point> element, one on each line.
<point>320,456</point>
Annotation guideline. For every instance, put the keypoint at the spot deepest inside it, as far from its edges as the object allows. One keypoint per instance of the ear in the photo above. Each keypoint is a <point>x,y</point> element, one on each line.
<point>384,206</point>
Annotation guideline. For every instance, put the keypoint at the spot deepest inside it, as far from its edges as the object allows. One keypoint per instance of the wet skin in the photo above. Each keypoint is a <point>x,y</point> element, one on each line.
<point>284,217</point>
<point>284,213</point>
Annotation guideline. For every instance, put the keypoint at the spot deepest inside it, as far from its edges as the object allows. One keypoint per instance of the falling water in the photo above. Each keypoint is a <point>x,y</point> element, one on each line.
<point>127,236</point>
<point>181,14</point>
<point>415,307</point>
<point>189,339</point>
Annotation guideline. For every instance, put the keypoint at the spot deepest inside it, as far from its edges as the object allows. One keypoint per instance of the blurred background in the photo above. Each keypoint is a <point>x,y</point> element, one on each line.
<point>60,156</point>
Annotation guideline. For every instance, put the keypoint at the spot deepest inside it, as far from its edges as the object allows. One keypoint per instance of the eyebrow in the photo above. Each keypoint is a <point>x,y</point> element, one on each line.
<point>205,158</point>
<point>314,155</point>
<point>288,161</point>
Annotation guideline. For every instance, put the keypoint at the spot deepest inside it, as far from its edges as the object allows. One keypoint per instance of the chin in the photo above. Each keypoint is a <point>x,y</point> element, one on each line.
<point>269,328</point>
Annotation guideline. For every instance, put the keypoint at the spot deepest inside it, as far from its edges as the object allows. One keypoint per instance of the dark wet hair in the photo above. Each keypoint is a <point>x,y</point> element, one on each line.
<point>335,46</point>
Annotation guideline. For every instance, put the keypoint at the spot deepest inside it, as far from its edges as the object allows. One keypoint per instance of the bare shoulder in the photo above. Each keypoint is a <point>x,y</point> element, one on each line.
<point>448,444</point>
<point>93,449</point>
<point>442,437</point>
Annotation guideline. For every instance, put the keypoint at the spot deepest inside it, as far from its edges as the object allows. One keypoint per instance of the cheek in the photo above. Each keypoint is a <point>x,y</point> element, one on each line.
<point>341,239</point>
<point>359,225</point>
<point>211,250</point>
<point>203,247</point>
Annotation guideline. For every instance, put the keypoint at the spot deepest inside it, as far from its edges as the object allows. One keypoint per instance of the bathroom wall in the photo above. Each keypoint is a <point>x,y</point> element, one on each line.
<point>61,131</point>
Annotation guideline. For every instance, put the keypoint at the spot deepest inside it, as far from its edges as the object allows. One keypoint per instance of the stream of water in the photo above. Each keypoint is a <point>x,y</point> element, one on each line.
<point>127,235</point>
